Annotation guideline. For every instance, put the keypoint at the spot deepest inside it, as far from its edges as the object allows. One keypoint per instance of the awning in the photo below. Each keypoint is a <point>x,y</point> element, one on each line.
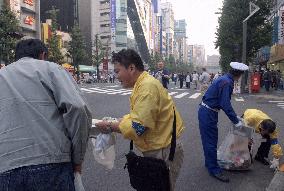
<point>84,68</point>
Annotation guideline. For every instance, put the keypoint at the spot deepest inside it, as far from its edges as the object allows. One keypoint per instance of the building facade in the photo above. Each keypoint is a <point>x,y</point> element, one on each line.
<point>168,24</point>
<point>180,44</point>
<point>199,55</point>
<point>28,13</point>
<point>66,15</point>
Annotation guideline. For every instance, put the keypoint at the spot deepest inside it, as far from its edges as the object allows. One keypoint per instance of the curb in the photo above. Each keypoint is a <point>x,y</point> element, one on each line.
<point>277,183</point>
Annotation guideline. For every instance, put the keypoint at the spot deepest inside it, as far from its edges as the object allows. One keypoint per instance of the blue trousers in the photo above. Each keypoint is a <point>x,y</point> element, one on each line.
<point>208,120</point>
<point>47,177</point>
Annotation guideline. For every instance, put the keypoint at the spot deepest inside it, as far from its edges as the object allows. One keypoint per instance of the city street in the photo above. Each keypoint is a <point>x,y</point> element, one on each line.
<point>112,100</point>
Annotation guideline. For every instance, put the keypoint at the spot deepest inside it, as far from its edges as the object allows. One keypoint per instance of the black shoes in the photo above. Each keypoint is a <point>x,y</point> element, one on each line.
<point>221,176</point>
<point>261,160</point>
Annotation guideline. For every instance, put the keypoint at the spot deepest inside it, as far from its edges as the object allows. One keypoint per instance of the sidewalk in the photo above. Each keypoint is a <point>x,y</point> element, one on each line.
<point>272,94</point>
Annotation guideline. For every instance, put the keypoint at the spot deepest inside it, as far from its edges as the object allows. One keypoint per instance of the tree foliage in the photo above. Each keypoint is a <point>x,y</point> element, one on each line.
<point>230,30</point>
<point>77,47</point>
<point>9,26</point>
<point>54,54</point>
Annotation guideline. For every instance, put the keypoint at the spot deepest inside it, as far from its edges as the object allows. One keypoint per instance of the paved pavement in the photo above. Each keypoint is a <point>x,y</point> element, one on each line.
<point>112,100</point>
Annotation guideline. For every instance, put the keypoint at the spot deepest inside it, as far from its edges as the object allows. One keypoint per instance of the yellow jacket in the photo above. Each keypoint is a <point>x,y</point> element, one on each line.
<point>254,118</point>
<point>151,108</point>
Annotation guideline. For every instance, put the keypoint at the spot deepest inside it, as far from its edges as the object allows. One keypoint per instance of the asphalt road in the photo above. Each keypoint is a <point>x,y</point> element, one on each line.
<point>111,100</point>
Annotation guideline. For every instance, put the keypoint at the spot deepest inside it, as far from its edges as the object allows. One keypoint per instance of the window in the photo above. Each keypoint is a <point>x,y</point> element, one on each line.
<point>121,33</point>
<point>123,21</point>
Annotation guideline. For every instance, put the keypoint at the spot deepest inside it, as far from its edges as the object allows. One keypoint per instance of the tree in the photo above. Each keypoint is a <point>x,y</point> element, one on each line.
<point>229,32</point>
<point>55,54</point>
<point>8,34</point>
<point>77,48</point>
<point>154,59</point>
<point>97,54</point>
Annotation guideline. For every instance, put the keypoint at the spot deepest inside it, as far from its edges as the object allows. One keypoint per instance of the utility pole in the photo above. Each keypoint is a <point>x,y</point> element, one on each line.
<point>97,58</point>
<point>253,9</point>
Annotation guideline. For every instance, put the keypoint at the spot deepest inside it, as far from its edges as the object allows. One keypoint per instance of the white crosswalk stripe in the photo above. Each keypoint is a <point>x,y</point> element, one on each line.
<point>239,99</point>
<point>125,92</point>
<point>181,95</point>
<point>276,101</point>
<point>279,103</point>
<point>172,93</point>
<point>194,96</point>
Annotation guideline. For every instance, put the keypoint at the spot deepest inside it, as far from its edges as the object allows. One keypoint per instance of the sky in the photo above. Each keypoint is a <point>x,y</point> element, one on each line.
<point>201,21</point>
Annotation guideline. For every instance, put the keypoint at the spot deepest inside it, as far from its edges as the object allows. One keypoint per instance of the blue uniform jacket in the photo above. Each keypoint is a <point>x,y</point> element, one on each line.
<point>218,96</point>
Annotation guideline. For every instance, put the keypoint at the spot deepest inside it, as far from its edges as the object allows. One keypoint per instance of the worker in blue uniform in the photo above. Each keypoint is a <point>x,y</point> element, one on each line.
<point>217,97</point>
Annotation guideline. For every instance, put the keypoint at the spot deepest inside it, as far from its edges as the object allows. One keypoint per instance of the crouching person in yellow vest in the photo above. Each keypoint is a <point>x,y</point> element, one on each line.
<point>266,127</point>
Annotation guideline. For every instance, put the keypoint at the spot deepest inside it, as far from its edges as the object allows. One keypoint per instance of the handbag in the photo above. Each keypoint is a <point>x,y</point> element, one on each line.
<point>149,173</point>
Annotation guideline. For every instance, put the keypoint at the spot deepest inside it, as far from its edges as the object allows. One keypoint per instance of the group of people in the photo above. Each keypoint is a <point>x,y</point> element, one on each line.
<point>271,79</point>
<point>197,80</point>
<point>46,121</point>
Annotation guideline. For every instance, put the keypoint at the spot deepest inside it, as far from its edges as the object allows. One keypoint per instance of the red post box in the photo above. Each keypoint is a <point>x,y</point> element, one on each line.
<point>255,82</point>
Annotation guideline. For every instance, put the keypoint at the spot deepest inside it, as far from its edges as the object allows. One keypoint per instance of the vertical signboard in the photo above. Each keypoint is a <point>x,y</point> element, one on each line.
<point>113,20</point>
<point>112,28</point>
<point>275,30</point>
<point>281,27</point>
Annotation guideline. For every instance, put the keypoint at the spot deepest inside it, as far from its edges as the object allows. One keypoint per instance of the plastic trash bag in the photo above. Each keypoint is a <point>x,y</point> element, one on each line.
<point>104,150</point>
<point>233,153</point>
<point>103,144</point>
<point>78,182</point>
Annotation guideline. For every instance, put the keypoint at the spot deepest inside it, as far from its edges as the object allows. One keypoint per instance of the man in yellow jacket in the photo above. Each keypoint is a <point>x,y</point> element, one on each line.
<point>264,125</point>
<point>150,121</point>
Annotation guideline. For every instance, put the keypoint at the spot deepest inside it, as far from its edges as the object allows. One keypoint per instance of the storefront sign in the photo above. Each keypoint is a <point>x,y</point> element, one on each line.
<point>29,20</point>
<point>29,2</point>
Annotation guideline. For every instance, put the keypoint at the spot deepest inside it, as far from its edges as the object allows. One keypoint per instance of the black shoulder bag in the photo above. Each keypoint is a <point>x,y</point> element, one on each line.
<point>148,173</point>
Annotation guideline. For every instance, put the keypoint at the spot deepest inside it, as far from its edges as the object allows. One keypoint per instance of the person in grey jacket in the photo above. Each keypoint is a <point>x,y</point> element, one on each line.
<point>44,125</point>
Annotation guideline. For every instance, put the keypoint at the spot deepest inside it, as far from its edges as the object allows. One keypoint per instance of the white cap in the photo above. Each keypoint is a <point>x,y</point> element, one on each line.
<point>239,66</point>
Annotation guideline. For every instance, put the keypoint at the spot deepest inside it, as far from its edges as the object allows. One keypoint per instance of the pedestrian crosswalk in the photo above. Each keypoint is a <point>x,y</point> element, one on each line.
<point>278,103</point>
<point>120,91</point>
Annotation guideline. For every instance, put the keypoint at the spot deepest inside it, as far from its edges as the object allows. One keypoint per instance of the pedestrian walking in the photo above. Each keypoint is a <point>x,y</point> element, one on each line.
<point>175,78</point>
<point>181,78</point>
<point>218,96</point>
<point>204,80</point>
<point>45,126</point>
<point>278,79</point>
<point>195,78</point>
<point>162,74</point>
<point>188,80</point>
<point>267,79</point>
<point>152,116</point>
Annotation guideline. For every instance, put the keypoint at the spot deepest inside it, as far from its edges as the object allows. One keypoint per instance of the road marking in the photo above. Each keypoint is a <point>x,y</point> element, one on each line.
<point>110,91</point>
<point>194,96</point>
<point>181,95</point>
<point>92,91</point>
<point>172,93</point>
<point>115,86</point>
<point>239,99</point>
<point>276,101</point>
<point>127,93</point>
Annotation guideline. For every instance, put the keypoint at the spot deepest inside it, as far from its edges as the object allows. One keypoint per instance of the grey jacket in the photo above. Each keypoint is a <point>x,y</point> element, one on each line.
<point>43,117</point>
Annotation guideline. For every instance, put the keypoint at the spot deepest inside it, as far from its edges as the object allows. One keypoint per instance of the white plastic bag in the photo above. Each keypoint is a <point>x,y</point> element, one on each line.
<point>103,149</point>
<point>233,153</point>
<point>78,182</point>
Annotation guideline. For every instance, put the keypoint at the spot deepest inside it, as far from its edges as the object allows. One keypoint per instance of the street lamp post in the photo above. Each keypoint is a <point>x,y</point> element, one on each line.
<point>253,9</point>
